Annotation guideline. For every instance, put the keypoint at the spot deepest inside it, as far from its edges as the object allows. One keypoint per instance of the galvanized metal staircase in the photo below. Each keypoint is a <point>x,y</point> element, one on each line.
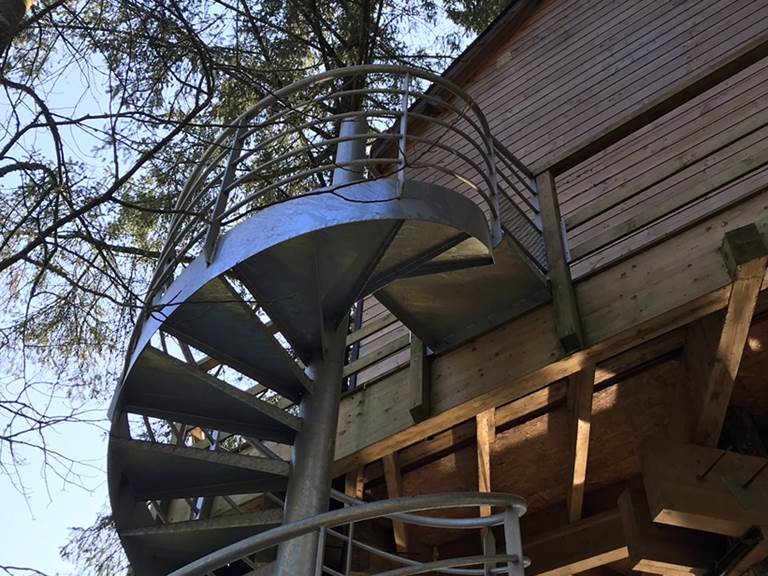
<point>240,350</point>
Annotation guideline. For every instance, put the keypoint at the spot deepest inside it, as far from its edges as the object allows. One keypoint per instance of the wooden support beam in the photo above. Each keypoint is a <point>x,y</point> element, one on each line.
<point>463,433</point>
<point>486,435</point>
<point>660,549</point>
<point>704,488</point>
<point>715,347</point>
<point>580,388</point>
<point>419,381</point>
<point>580,546</point>
<point>563,295</point>
<point>394,482</point>
<point>354,483</point>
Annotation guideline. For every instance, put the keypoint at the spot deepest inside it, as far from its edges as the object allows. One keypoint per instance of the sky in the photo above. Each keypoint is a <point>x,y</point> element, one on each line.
<point>36,526</point>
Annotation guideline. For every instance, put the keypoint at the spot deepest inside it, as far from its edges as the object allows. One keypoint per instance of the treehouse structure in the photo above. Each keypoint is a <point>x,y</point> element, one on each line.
<point>508,319</point>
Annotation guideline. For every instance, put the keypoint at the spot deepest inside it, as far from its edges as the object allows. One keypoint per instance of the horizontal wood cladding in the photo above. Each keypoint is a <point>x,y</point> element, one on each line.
<point>374,310</point>
<point>703,157</point>
<point>577,66</point>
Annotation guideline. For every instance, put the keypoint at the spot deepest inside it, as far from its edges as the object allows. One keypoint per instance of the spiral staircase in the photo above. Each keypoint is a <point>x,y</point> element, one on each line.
<point>223,427</point>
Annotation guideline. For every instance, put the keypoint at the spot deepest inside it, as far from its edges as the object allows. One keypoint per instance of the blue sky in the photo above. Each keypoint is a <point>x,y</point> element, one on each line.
<point>38,525</point>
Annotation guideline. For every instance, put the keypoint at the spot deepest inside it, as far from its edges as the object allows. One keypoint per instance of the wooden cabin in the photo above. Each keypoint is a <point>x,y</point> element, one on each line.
<point>631,411</point>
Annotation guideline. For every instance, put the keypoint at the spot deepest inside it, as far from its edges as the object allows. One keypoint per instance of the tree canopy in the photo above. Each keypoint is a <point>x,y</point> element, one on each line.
<point>106,106</point>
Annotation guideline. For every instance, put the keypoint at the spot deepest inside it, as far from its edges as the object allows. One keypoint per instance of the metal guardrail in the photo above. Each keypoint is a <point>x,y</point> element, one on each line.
<point>284,146</point>
<point>510,563</point>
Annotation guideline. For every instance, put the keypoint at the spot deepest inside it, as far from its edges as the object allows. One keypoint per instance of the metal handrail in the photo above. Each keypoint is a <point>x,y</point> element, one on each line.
<point>514,507</point>
<point>225,185</point>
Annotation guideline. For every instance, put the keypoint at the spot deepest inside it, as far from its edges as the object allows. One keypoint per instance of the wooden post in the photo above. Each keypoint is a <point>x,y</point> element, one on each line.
<point>354,483</point>
<point>715,344</point>
<point>418,381</point>
<point>486,434</point>
<point>563,294</point>
<point>394,481</point>
<point>581,385</point>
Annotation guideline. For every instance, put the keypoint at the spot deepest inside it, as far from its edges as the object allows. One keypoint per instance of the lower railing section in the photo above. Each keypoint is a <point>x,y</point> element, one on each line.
<point>331,525</point>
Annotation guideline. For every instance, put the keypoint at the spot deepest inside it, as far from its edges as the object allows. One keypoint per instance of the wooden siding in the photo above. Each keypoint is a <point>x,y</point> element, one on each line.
<point>579,64</point>
<point>570,70</point>
<point>372,311</point>
<point>696,160</point>
<point>576,67</point>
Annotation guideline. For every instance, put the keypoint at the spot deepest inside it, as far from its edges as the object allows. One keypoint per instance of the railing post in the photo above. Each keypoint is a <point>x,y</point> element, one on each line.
<point>566,307</point>
<point>495,210</point>
<point>320,558</point>
<point>212,236</point>
<point>402,142</point>
<point>351,536</point>
<point>512,542</point>
<point>489,549</point>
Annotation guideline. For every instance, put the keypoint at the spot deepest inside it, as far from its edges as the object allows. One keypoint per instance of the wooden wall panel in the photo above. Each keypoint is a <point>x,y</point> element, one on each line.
<point>691,163</point>
<point>372,311</point>
<point>601,63</point>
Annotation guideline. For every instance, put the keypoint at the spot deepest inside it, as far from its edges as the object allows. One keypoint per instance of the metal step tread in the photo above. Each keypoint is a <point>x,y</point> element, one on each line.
<point>162,386</point>
<point>312,280</point>
<point>173,545</point>
<point>418,243</point>
<point>262,518</point>
<point>449,307</point>
<point>217,321</point>
<point>157,471</point>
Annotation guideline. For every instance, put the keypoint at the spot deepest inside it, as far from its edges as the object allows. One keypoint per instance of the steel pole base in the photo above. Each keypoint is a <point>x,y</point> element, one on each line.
<point>309,488</point>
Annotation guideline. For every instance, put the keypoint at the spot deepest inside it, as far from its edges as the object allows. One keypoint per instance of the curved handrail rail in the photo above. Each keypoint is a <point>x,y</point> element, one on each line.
<point>442,565</point>
<point>429,521</point>
<point>283,146</point>
<point>514,506</point>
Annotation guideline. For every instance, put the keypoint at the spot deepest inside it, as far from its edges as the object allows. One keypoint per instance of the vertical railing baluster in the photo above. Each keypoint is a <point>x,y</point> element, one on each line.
<point>320,558</point>
<point>351,536</point>
<point>403,134</point>
<point>212,236</point>
<point>495,210</point>
<point>489,549</point>
<point>512,542</point>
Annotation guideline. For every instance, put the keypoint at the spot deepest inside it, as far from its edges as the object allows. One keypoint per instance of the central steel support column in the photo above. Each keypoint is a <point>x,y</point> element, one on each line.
<point>309,487</point>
